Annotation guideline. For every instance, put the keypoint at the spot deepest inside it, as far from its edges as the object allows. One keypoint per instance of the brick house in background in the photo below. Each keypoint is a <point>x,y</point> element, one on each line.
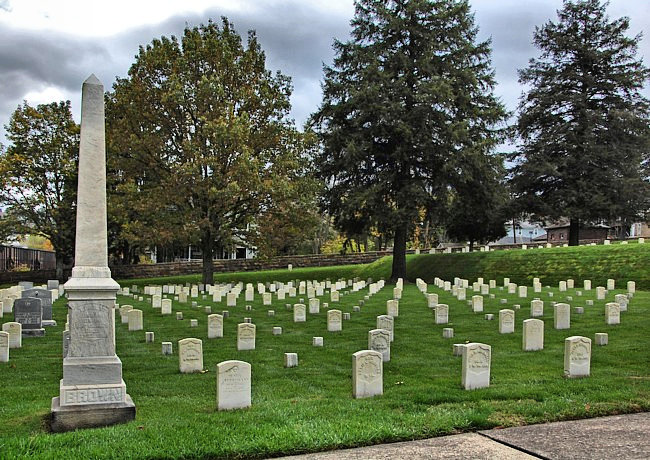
<point>560,233</point>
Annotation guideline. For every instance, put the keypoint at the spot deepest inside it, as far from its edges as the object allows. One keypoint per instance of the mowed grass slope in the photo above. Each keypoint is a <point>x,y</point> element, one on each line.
<point>310,408</point>
<point>551,265</point>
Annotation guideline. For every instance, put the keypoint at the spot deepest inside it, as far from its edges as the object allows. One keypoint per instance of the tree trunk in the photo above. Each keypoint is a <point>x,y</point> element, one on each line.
<point>471,245</point>
<point>574,232</point>
<point>514,231</point>
<point>59,268</point>
<point>207,249</point>
<point>399,253</point>
<point>63,257</point>
<point>425,238</point>
<point>126,254</point>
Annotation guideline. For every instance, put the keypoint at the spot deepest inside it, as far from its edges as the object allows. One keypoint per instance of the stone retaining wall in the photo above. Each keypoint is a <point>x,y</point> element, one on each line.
<point>220,266</point>
<point>239,265</point>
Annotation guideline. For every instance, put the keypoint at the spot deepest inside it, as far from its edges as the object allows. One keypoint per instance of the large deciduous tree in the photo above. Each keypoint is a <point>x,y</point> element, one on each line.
<point>404,100</point>
<point>291,222</point>
<point>583,122</point>
<point>200,125</point>
<point>38,176</point>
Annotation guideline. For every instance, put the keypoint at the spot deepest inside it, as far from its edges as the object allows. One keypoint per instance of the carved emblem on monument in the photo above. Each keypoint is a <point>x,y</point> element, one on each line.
<point>369,369</point>
<point>247,332</point>
<point>192,352</point>
<point>380,343</point>
<point>580,353</point>
<point>479,360</point>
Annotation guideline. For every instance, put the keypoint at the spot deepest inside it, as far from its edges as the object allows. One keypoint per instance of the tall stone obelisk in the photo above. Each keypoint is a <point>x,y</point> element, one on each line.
<point>92,392</point>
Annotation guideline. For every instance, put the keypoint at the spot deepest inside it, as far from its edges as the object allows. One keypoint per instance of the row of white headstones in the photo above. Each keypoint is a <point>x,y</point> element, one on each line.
<point>523,246</point>
<point>233,377</point>
<point>476,356</point>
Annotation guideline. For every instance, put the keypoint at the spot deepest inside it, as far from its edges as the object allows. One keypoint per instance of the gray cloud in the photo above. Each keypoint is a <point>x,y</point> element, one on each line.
<point>296,37</point>
<point>511,25</point>
<point>32,61</point>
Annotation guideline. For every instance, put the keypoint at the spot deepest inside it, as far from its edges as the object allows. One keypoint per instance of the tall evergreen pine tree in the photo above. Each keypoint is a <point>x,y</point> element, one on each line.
<point>407,102</point>
<point>583,122</point>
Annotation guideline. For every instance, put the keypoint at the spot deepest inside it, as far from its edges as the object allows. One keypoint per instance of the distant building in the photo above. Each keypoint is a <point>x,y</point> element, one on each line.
<point>640,229</point>
<point>559,233</point>
<point>523,232</point>
<point>187,253</point>
<point>621,230</point>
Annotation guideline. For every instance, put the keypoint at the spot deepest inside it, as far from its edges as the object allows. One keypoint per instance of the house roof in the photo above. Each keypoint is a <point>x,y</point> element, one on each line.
<point>553,227</point>
<point>524,225</point>
<point>511,240</point>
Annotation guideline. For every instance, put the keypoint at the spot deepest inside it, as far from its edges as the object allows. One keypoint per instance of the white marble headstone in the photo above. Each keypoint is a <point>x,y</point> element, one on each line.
<point>367,374</point>
<point>533,335</point>
<point>233,385</point>
<point>476,366</point>
<point>245,336</point>
<point>299,313</point>
<point>135,320</point>
<point>561,316</point>
<point>215,326</point>
<point>577,357</point>
<point>4,347</point>
<point>334,321</point>
<point>379,340</point>
<point>190,355</point>
<point>612,313</point>
<point>506,321</point>
<point>442,313</point>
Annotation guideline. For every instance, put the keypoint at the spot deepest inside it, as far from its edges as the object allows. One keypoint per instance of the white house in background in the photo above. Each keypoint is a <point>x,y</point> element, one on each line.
<point>523,232</point>
<point>640,229</point>
<point>193,253</point>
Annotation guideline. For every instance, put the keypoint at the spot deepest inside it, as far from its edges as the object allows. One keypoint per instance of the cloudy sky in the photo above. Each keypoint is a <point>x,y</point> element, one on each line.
<point>48,47</point>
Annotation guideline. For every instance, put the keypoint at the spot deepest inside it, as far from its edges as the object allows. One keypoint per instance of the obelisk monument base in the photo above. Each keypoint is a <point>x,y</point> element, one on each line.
<point>69,418</point>
<point>92,392</point>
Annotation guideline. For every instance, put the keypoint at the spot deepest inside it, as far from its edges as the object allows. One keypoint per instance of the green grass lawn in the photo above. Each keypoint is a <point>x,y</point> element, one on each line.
<point>597,263</point>
<point>310,408</point>
<point>551,265</point>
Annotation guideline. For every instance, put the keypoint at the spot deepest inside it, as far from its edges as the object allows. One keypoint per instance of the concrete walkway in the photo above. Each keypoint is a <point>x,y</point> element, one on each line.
<point>617,437</point>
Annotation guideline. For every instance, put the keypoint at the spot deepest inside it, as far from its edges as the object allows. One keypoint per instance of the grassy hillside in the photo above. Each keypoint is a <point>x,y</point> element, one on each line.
<point>597,263</point>
<point>284,275</point>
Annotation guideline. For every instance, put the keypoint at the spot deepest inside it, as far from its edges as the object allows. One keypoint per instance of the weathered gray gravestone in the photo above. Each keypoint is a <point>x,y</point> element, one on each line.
<point>92,392</point>
<point>46,303</point>
<point>29,313</point>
